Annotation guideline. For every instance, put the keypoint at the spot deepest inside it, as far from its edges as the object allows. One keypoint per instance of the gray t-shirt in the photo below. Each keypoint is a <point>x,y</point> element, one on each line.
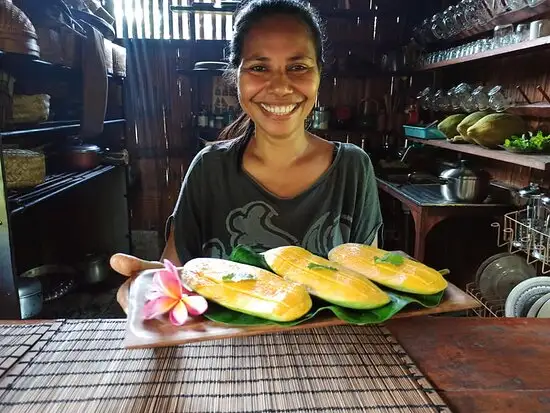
<point>220,206</point>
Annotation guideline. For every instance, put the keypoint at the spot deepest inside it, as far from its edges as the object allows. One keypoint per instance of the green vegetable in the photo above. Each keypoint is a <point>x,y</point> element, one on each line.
<point>390,258</point>
<point>313,266</point>
<point>529,142</point>
<point>239,277</point>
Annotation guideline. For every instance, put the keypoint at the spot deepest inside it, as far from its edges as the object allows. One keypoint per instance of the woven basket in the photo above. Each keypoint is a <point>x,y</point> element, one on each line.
<point>24,168</point>
<point>30,108</point>
<point>17,33</point>
<point>119,60</point>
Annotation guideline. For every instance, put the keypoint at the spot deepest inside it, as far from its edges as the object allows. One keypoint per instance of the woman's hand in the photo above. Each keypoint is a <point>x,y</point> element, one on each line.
<point>130,267</point>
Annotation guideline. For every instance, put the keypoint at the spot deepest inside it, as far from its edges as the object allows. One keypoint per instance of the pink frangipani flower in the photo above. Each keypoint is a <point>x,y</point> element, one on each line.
<point>169,295</point>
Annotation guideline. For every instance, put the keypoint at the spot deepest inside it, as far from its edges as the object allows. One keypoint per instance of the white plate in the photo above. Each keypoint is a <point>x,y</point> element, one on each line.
<point>544,312</point>
<point>523,296</point>
<point>534,310</point>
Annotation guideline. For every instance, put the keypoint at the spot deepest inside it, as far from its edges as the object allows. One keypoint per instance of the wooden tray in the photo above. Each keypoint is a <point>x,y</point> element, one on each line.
<point>156,333</point>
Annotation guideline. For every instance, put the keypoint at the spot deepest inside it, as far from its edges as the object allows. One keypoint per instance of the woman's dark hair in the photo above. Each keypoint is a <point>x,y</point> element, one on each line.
<point>249,13</point>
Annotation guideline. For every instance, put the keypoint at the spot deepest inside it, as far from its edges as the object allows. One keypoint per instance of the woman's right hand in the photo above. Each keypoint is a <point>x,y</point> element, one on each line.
<point>130,267</point>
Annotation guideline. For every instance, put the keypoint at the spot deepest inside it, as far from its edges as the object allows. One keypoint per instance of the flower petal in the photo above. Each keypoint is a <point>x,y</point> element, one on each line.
<point>170,267</point>
<point>196,304</point>
<point>169,283</point>
<point>178,314</point>
<point>159,306</point>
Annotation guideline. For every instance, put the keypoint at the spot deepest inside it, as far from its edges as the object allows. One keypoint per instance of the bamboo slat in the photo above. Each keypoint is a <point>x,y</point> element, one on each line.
<point>83,366</point>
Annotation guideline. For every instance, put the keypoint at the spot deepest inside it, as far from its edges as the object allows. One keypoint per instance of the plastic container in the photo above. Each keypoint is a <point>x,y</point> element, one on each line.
<point>423,133</point>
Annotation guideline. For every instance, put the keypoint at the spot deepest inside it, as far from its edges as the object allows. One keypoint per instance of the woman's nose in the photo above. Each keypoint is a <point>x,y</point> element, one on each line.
<point>280,84</point>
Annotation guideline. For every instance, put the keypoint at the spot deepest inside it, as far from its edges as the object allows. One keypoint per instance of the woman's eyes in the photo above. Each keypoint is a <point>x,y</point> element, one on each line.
<point>293,68</point>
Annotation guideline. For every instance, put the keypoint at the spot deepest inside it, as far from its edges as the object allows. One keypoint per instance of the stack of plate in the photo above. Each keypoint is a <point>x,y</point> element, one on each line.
<point>499,274</point>
<point>530,298</point>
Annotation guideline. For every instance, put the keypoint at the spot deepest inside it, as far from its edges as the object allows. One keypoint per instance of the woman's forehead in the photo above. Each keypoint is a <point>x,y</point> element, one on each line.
<point>281,36</point>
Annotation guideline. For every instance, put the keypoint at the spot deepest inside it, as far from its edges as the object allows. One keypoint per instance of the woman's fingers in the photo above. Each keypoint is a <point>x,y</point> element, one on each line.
<point>129,265</point>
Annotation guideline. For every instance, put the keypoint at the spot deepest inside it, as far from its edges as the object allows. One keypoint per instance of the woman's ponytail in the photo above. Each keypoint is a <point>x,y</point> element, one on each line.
<point>241,128</point>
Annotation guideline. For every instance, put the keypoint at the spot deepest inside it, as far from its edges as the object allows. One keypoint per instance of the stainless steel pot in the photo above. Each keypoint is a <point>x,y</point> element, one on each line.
<point>30,297</point>
<point>464,185</point>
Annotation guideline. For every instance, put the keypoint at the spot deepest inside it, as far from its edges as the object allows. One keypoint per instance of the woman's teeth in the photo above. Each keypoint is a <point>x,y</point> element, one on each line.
<point>279,110</point>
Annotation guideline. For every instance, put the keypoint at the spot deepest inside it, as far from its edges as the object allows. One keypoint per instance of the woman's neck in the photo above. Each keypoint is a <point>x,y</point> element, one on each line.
<point>279,151</point>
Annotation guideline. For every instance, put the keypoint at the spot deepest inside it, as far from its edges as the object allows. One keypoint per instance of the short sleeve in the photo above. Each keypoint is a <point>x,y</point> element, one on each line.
<point>186,216</point>
<point>367,219</point>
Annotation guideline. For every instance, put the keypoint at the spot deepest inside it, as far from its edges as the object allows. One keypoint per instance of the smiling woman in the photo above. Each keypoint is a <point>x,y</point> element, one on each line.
<point>268,182</point>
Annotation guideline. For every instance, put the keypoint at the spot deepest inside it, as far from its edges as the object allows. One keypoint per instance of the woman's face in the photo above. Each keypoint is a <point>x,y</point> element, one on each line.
<point>278,75</point>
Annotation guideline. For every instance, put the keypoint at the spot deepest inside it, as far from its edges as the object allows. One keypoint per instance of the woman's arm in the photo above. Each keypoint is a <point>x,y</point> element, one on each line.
<point>170,252</point>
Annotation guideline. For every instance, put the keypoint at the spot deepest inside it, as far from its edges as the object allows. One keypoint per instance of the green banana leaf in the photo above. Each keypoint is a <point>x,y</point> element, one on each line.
<point>399,300</point>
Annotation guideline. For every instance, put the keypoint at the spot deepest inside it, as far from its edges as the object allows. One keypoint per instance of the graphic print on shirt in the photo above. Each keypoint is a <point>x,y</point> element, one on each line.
<point>325,233</point>
<point>252,225</point>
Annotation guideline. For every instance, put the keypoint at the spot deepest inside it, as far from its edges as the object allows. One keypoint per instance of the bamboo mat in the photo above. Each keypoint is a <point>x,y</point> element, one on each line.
<point>81,366</point>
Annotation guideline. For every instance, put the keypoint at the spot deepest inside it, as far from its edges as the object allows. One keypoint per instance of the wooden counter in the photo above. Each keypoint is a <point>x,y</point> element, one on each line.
<point>496,365</point>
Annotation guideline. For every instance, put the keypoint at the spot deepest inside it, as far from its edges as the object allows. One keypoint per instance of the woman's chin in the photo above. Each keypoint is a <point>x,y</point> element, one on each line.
<point>280,129</point>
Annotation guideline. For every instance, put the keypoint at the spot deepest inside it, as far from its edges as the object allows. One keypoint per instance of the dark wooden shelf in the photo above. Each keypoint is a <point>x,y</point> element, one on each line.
<point>535,110</point>
<point>18,63</point>
<point>49,127</point>
<point>540,162</point>
<point>518,48</point>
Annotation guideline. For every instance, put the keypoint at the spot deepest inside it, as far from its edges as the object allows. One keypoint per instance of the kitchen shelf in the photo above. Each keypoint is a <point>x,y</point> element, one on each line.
<point>19,200</point>
<point>17,63</point>
<point>540,162</point>
<point>518,48</point>
<point>512,17</point>
<point>535,110</point>
<point>54,126</point>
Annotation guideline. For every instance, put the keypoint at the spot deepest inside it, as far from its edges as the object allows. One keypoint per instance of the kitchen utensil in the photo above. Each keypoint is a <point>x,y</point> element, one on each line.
<point>83,157</point>
<point>321,118</point>
<point>539,28</point>
<point>502,275</point>
<point>30,297</point>
<point>210,66</point>
<point>531,197</point>
<point>56,280</point>
<point>463,184</point>
<point>95,268</point>
<point>524,295</point>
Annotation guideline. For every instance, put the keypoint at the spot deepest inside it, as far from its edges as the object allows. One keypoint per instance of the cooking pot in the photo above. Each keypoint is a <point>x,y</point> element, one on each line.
<point>464,185</point>
<point>83,157</point>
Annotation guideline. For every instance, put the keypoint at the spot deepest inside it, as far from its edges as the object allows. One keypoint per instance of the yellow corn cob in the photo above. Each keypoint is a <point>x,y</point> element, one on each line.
<point>324,279</point>
<point>410,276</point>
<point>266,295</point>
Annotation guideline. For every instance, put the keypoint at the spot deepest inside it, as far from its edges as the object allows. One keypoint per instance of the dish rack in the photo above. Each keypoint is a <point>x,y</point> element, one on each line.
<point>520,233</point>
<point>490,307</point>
<point>527,234</point>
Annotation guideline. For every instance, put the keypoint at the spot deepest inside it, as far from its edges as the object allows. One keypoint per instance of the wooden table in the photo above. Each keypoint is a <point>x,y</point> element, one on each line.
<point>496,365</point>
